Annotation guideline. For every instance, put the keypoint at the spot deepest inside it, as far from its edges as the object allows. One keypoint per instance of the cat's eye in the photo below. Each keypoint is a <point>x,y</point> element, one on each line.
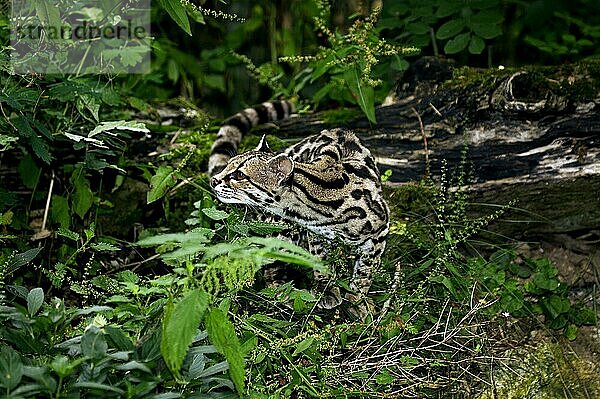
<point>237,175</point>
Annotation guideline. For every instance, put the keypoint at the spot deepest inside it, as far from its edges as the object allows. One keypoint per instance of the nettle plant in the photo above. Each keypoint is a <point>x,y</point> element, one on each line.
<point>347,69</point>
<point>443,257</point>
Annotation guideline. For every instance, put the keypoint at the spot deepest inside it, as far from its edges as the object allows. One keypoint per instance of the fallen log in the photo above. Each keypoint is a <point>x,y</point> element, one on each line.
<point>532,134</point>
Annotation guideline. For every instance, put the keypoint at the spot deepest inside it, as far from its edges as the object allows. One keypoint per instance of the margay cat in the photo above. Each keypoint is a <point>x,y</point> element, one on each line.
<point>327,183</point>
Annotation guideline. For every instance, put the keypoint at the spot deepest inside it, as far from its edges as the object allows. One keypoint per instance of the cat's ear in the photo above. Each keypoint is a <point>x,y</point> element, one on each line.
<point>263,146</point>
<point>282,167</point>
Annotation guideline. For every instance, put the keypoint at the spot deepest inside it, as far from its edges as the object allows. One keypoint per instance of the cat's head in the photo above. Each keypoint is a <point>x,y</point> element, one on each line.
<point>254,178</point>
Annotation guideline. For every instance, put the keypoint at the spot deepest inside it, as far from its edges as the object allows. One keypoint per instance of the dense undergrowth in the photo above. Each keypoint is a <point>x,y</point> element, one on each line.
<point>120,277</point>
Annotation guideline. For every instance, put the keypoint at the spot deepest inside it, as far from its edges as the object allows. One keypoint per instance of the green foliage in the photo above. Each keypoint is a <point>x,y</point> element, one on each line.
<point>527,287</point>
<point>180,325</point>
<point>461,26</point>
<point>348,64</point>
<point>222,335</point>
<point>564,43</point>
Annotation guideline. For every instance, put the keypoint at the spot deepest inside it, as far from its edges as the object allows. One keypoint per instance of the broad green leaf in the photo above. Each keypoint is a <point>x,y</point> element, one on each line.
<point>571,332</point>
<point>61,365</point>
<point>35,299</point>
<point>22,259</point>
<point>487,31</point>
<point>222,335</point>
<point>119,125</point>
<point>214,369</point>
<point>364,94</point>
<point>215,214</point>
<point>83,197</point>
<point>450,29</point>
<point>39,146</point>
<point>384,378</point>
<point>104,246</point>
<point>447,8</point>
<point>180,325</point>
<point>119,339</point>
<point>11,368</point>
<point>476,45</point>
<point>200,235</point>
<point>48,13</point>
<point>97,386</point>
<point>303,345</point>
<point>134,365</point>
<point>197,366</point>
<point>457,44</point>
<point>265,228</point>
<point>68,234</point>
<point>160,183</point>
<point>60,211</point>
<point>555,305</point>
<point>29,172</point>
<point>93,343</point>
<point>86,102</point>
<point>491,17</point>
<point>177,11</point>
<point>418,28</point>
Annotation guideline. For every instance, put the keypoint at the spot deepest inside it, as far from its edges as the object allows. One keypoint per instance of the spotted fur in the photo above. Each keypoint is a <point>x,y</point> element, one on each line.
<point>327,183</point>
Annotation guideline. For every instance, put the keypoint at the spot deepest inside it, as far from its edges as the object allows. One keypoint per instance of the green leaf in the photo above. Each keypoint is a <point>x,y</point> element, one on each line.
<point>177,11</point>
<point>119,125</point>
<point>29,172</point>
<point>83,197</point>
<point>489,17</point>
<point>545,282</point>
<point>60,211</point>
<point>450,29</point>
<point>180,324</point>
<point>35,299</point>
<point>104,247</point>
<point>418,28</point>
<point>39,146</point>
<point>222,335</point>
<point>160,183</point>
<point>571,332</point>
<point>68,234</point>
<point>554,306</point>
<point>303,345</point>
<point>215,214</point>
<point>93,343</point>
<point>447,8</point>
<point>384,378</point>
<point>22,259</point>
<point>97,386</point>
<point>364,94</point>
<point>198,235</point>
<point>48,13</point>
<point>120,341</point>
<point>487,31</point>
<point>61,365</point>
<point>457,44</point>
<point>584,315</point>
<point>476,45</point>
<point>86,102</point>
<point>11,368</point>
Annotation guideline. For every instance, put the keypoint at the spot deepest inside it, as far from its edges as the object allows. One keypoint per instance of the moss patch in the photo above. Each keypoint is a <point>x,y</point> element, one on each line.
<point>545,371</point>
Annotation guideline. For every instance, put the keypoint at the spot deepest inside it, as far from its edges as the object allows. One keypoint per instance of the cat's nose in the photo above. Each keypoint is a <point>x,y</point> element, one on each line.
<point>213,182</point>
